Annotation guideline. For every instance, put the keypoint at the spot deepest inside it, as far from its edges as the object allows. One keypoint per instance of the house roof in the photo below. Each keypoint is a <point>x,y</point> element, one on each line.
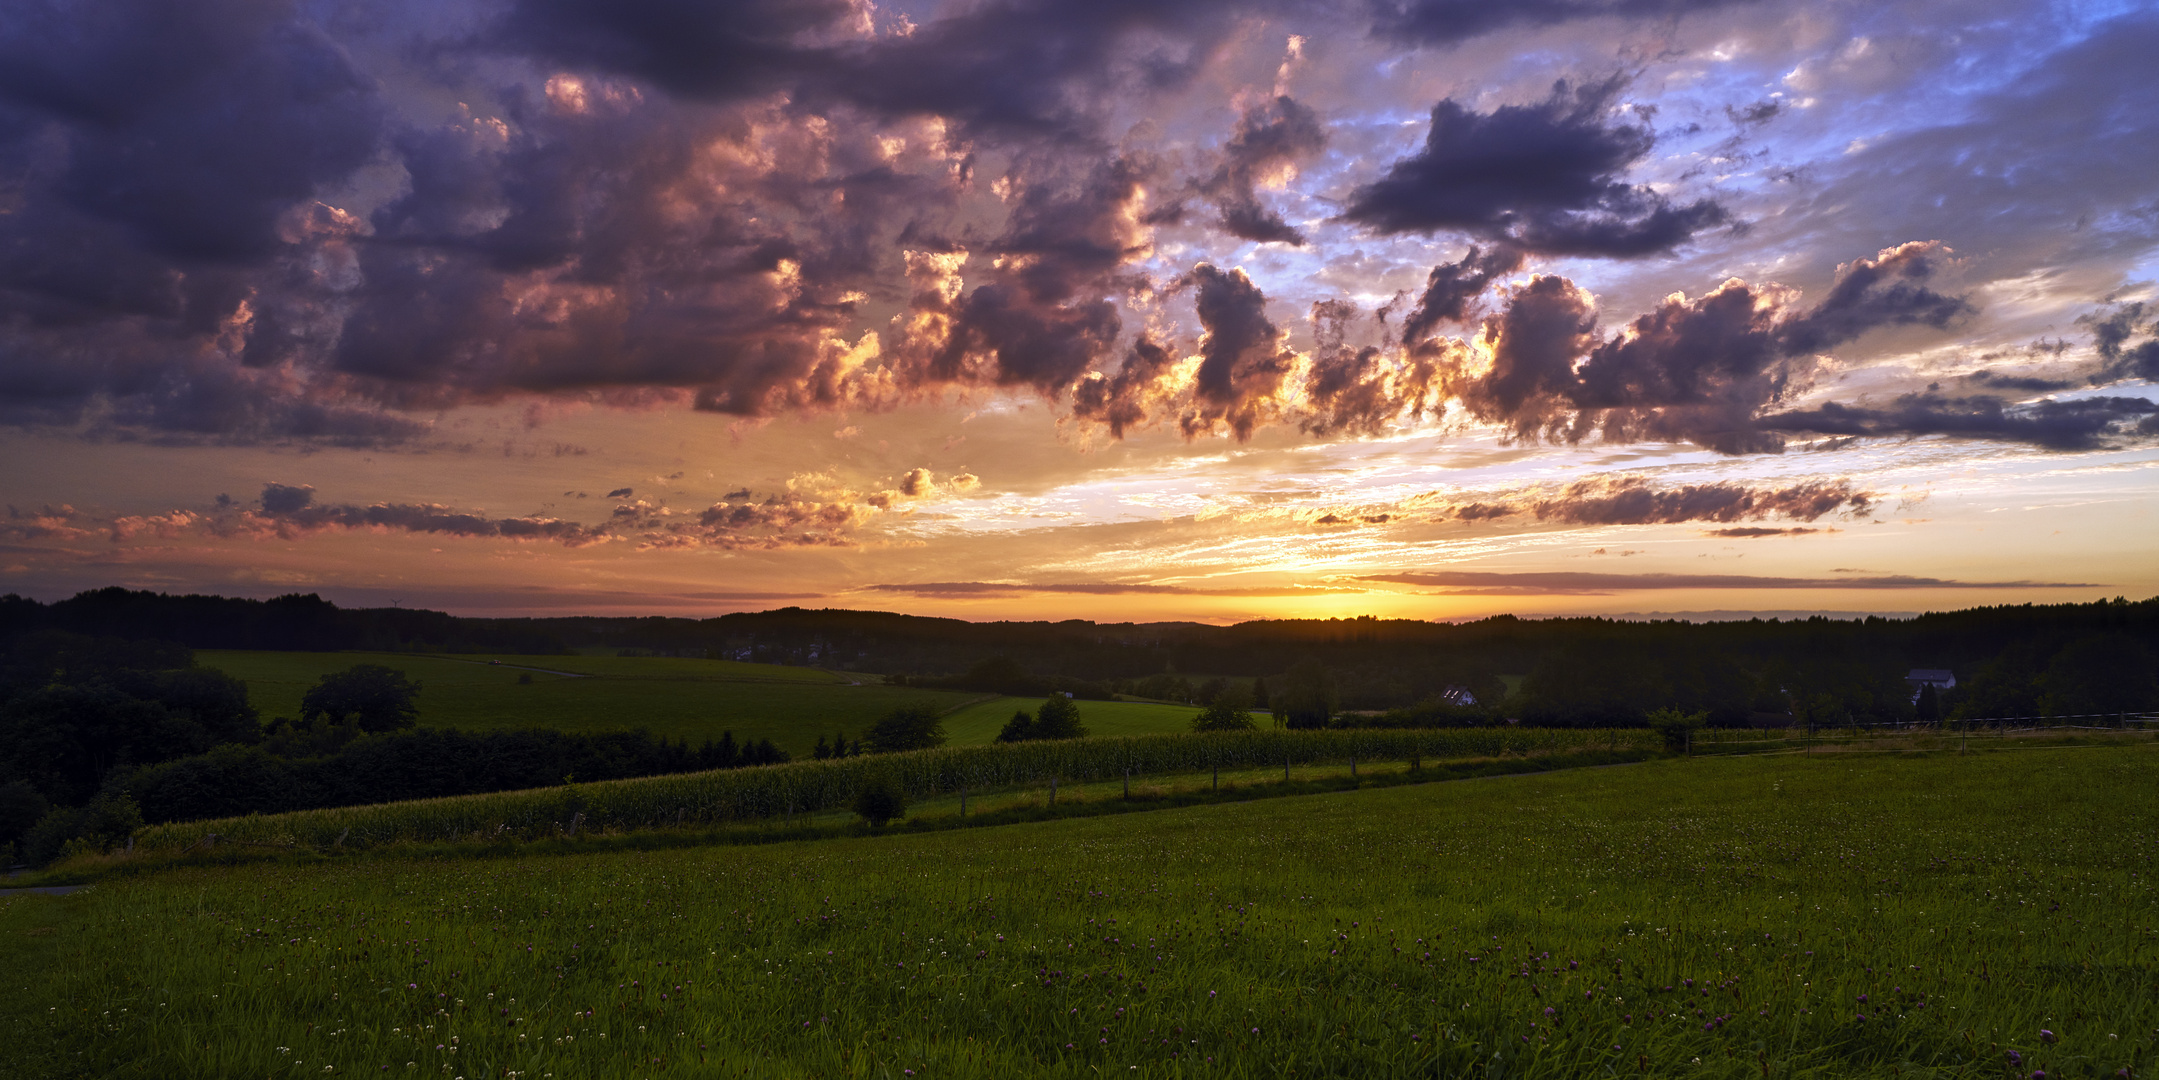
<point>1928,674</point>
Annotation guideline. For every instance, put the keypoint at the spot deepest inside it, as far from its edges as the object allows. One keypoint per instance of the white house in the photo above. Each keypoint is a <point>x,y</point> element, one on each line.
<point>1939,678</point>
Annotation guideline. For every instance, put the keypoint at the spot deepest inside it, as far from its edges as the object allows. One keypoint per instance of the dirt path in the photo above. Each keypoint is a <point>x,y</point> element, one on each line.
<point>518,667</point>
<point>47,890</point>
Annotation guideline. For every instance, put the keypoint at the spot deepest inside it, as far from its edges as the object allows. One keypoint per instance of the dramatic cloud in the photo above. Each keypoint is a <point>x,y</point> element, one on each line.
<point>1545,177</point>
<point>292,511</point>
<point>1441,22</point>
<point>1756,532</point>
<point>1271,139</point>
<point>1702,370</point>
<point>1633,500</point>
<point>1242,358</point>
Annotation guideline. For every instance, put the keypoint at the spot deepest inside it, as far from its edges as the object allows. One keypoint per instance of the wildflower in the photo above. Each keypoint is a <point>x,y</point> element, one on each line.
<point>2047,1037</point>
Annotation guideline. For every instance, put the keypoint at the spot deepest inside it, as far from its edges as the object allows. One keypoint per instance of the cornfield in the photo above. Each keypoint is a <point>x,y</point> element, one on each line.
<point>771,791</point>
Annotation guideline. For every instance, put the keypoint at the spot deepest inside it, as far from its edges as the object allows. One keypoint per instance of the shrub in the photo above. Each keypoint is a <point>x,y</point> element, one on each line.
<point>372,696</point>
<point>880,801</point>
<point>1018,729</point>
<point>1227,712</point>
<point>1058,718</point>
<point>909,727</point>
<point>1677,727</point>
<point>99,827</point>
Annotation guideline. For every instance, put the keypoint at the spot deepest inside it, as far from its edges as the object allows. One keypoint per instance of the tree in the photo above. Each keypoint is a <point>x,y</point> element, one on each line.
<point>1227,712</point>
<point>1018,729</point>
<point>1058,718</point>
<point>909,727</point>
<point>2099,674</point>
<point>375,698</point>
<point>1928,708</point>
<point>1677,727</point>
<point>1259,693</point>
<point>880,801</point>
<point>1307,698</point>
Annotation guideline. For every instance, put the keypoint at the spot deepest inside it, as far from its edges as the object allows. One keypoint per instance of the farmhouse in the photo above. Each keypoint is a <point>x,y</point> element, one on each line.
<point>1938,678</point>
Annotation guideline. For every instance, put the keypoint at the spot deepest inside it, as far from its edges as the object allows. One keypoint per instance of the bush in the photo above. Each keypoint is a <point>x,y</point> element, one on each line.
<point>1018,729</point>
<point>99,827</point>
<point>1677,727</point>
<point>880,801</point>
<point>374,697</point>
<point>1227,712</point>
<point>20,808</point>
<point>909,727</point>
<point>1058,718</point>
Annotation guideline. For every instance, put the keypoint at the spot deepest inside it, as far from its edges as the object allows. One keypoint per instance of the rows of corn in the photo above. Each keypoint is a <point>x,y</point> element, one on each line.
<point>735,795</point>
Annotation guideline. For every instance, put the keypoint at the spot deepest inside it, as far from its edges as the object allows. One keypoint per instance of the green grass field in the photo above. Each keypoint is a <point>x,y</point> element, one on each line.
<point>675,698</point>
<point>1836,915</point>
<point>980,723</point>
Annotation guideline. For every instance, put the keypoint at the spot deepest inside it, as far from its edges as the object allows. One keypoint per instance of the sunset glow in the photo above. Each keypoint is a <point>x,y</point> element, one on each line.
<point>1183,311</point>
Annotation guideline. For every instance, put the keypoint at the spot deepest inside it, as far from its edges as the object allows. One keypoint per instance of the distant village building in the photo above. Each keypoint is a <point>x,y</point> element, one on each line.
<point>1939,678</point>
<point>1458,695</point>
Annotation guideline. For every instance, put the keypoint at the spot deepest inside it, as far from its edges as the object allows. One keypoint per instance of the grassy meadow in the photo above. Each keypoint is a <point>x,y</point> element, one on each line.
<point>1831,915</point>
<point>979,723</point>
<point>672,697</point>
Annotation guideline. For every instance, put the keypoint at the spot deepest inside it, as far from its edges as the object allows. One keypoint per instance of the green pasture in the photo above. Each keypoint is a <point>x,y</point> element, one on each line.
<point>671,697</point>
<point>979,723</point>
<point>1830,915</point>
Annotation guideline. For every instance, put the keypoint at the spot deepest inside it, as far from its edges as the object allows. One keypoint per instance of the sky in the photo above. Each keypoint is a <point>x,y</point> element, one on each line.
<point>1027,309</point>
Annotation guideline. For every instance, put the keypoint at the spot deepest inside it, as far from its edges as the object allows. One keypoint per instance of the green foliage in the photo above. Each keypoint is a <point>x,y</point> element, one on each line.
<point>1308,697</point>
<point>1058,718</point>
<point>1677,727</point>
<point>1228,712</point>
<point>1928,708</point>
<point>2099,674</point>
<point>1018,729</point>
<point>693,699</point>
<point>1714,918</point>
<point>104,824</point>
<point>371,697</point>
<point>754,794</point>
<point>21,805</point>
<point>880,801</point>
<point>910,727</point>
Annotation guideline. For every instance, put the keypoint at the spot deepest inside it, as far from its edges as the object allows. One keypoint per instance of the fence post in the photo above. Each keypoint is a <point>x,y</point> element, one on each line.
<point>1053,791</point>
<point>1128,783</point>
<point>963,802</point>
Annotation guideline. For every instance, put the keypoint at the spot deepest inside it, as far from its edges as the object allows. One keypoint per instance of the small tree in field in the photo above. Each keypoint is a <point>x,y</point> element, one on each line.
<point>1058,718</point>
<point>1018,729</point>
<point>1677,727</point>
<point>880,801</point>
<point>374,697</point>
<point>909,727</point>
<point>1227,712</point>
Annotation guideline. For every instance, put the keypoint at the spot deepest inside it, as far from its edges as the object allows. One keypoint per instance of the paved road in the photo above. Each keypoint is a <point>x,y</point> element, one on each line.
<point>48,890</point>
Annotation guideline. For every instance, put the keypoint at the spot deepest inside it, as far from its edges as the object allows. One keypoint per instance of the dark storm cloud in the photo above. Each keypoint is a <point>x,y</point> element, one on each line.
<point>1270,137</point>
<point>1361,389</point>
<point>192,126</point>
<point>158,159</point>
<point>694,47</point>
<point>2079,424</point>
<point>1452,290</point>
<point>1446,22</point>
<point>1634,501</point>
<point>291,510</point>
<point>1127,399</point>
<point>2111,333</point>
<point>1242,359</point>
<point>1702,370</point>
<point>1757,532</point>
<point>1563,583</point>
<point>1546,177</point>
